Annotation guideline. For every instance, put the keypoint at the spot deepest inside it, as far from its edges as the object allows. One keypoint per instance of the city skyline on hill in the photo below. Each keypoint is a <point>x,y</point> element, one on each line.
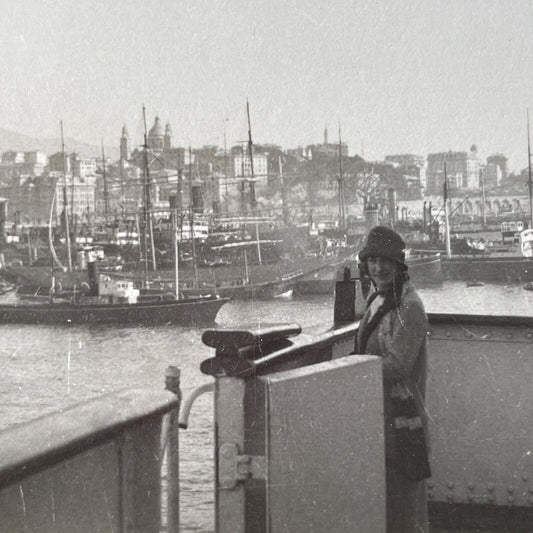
<point>405,77</point>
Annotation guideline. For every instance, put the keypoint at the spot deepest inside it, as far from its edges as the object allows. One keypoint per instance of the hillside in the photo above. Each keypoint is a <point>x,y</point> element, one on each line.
<point>10,140</point>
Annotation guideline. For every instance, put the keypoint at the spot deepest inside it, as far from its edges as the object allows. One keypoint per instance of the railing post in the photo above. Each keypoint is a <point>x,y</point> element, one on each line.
<point>172,383</point>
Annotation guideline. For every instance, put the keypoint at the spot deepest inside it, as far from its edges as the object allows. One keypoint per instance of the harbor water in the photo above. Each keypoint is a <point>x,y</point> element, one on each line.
<point>44,369</point>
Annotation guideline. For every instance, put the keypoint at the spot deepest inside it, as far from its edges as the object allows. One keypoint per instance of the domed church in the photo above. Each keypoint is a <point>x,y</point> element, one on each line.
<point>159,140</point>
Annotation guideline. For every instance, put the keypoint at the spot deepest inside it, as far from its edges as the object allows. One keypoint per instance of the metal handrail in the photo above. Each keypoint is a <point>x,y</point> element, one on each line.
<point>56,437</point>
<point>189,400</point>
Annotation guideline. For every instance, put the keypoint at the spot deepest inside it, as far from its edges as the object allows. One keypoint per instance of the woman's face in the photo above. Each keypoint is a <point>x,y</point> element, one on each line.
<point>382,271</point>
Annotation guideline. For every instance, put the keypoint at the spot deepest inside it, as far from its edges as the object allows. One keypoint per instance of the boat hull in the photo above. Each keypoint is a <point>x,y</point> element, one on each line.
<point>424,271</point>
<point>183,312</point>
<point>490,269</point>
<point>42,276</point>
<point>260,291</point>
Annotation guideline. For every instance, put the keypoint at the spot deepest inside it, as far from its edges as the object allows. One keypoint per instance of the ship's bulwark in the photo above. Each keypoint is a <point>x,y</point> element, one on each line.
<point>98,355</point>
<point>477,405</point>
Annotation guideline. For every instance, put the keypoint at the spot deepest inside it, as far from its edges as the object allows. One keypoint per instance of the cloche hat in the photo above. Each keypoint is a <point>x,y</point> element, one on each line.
<point>384,242</point>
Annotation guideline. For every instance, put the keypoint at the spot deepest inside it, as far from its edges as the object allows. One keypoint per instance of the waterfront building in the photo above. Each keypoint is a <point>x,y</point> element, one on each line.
<point>30,198</point>
<point>497,203</point>
<point>462,170</point>
<point>81,195</point>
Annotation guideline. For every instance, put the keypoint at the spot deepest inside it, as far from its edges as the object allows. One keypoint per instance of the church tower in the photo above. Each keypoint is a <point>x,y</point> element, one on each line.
<point>156,136</point>
<point>124,144</point>
<point>168,137</point>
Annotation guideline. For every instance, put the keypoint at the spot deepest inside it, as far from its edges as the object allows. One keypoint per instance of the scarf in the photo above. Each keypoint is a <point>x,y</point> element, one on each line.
<point>392,299</point>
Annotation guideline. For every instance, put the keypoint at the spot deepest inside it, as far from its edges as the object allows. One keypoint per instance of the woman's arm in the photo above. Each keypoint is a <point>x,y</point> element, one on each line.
<point>401,336</point>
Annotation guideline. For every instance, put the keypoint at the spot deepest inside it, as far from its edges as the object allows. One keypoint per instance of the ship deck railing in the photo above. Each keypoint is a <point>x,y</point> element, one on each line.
<point>96,466</point>
<point>298,439</point>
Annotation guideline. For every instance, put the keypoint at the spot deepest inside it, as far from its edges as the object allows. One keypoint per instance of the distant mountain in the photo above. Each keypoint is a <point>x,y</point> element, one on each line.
<point>10,140</point>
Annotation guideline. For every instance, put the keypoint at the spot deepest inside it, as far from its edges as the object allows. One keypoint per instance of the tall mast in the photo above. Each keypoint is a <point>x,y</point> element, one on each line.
<point>191,220</point>
<point>341,186</point>
<point>283,192</point>
<point>179,192</point>
<point>250,154</point>
<point>65,200</point>
<point>252,182</point>
<point>529,183</point>
<point>226,167</point>
<point>483,210</point>
<point>122,192</point>
<point>147,208</point>
<point>174,216</point>
<point>446,216</point>
<point>243,183</point>
<point>106,200</point>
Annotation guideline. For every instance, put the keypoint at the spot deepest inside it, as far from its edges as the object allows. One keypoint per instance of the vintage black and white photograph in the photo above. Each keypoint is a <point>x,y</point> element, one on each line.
<point>266,266</point>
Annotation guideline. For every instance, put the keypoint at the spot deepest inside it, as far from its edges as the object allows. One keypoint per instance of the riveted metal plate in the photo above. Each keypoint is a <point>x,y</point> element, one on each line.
<point>478,399</point>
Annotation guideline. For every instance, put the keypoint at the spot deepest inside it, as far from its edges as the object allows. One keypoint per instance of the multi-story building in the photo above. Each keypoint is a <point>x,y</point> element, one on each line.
<point>413,165</point>
<point>59,162</point>
<point>406,160</point>
<point>82,167</point>
<point>326,148</point>
<point>13,157</point>
<point>35,157</point>
<point>22,164</point>
<point>492,175</point>
<point>31,197</point>
<point>499,161</point>
<point>242,166</point>
<point>81,194</point>
<point>462,171</point>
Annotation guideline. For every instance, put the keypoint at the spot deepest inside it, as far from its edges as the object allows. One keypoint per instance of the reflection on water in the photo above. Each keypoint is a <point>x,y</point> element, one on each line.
<point>45,368</point>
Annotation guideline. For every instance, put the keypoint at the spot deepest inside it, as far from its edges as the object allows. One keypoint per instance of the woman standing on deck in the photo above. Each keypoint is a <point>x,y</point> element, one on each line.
<point>394,327</point>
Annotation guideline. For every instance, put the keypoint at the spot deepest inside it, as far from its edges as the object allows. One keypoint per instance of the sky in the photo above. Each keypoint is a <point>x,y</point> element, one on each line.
<point>396,76</point>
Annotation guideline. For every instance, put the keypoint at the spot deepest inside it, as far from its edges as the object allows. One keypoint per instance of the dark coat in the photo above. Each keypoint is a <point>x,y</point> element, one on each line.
<point>401,340</point>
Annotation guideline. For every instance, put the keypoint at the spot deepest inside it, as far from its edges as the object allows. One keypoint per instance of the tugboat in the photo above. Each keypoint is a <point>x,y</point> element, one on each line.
<point>113,302</point>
